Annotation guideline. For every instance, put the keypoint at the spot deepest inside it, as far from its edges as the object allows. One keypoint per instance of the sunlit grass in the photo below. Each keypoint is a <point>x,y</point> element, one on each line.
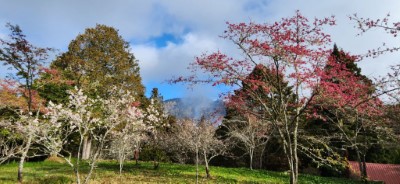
<point>108,172</point>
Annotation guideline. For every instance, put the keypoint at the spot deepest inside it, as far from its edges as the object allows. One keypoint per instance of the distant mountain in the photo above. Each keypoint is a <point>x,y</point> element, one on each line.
<point>195,107</point>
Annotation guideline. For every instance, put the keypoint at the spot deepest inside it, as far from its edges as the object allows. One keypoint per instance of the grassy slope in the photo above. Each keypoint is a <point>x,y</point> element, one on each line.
<point>107,172</point>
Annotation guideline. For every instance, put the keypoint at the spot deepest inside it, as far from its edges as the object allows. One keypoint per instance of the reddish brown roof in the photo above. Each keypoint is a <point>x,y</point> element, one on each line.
<point>389,173</point>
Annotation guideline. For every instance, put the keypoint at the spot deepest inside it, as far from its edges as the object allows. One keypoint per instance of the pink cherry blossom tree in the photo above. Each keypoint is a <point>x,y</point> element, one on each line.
<point>296,50</point>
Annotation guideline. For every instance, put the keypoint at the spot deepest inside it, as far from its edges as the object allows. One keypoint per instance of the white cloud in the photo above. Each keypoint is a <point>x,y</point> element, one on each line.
<point>160,64</point>
<point>55,23</point>
<point>148,56</point>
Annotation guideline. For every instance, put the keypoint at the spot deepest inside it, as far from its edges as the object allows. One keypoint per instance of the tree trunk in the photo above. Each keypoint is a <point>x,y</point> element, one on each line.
<point>288,149</point>
<point>251,158</point>
<point>121,160</point>
<point>85,140</point>
<point>69,162</point>
<point>156,153</point>
<point>207,167</point>
<point>262,156</point>
<point>365,168</point>
<point>295,157</point>
<point>364,165</point>
<point>136,155</point>
<point>20,168</point>
<point>87,146</point>
<point>208,171</point>
<point>365,175</point>
<point>293,140</point>
<point>293,174</point>
<point>95,157</point>
<point>197,165</point>
<point>22,159</point>
<point>361,166</point>
<point>156,163</point>
<point>76,167</point>
<point>78,179</point>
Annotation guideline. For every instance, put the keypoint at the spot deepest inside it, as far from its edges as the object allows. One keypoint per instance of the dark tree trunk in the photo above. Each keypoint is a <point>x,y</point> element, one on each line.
<point>207,167</point>
<point>136,155</point>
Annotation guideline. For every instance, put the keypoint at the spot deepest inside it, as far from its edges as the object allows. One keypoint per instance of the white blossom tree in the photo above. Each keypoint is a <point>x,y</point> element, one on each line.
<point>9,147</point>
<point>25,130</point>
<point>250,134</point>
<point>200,138</point>
<point>117,119</point>
<point>210,145</point>
<point>155,121</point>
<point>187,136</point>
<point>129,133</point>
<point>79,118</point>
<point>56,130</point>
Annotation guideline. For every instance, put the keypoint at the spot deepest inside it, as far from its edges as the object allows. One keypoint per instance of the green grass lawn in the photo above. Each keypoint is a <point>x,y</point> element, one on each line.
<point>108,172</point>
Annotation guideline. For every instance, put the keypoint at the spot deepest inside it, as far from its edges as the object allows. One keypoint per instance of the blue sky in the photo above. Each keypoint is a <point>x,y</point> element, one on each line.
<point>166,35</point>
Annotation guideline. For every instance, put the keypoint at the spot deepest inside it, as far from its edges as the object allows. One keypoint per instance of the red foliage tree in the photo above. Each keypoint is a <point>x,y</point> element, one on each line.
<point>27,60</point>
<point>347,101</point>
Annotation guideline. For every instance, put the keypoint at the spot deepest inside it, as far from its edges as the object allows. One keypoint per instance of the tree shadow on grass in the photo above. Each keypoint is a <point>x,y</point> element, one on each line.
<point>57,179</point>
<point>114,166</point>
<point>64,169</point>
<point>8,177</point>
<point>29,177</point>
<point>146,169</point>
<point>128,166</point>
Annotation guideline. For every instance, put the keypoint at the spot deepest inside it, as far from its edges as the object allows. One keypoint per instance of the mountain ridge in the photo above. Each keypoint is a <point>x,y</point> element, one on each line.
<point>195,107</point>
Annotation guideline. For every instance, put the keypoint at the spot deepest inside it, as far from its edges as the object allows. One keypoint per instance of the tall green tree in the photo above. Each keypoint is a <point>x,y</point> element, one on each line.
<point>98,61</point>
<point>156,96</point>
<point>51,86</point>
